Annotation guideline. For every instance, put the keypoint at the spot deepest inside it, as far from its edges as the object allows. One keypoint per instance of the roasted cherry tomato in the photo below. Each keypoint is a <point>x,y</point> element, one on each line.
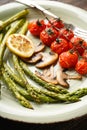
<point>84,55</point>
<point>48,35</point>
<point>56,23</point>
<point>81,66</point>
<point>66,33</point>
<point>68,59</point>
<point>59,45</point>
<point>77,44</point>
<point>36,26</point>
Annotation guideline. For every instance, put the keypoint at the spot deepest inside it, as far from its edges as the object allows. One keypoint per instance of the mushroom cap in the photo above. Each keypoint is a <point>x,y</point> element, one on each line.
<point>48,58</point>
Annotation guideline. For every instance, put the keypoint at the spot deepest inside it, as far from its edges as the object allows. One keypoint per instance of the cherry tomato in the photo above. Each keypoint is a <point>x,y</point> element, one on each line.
<point>81,66</point>
<point>56,22</point>
<point>77,44</point>
<point>68,59</point>
<point>59,45</point>
<point>66,33</point>
<point>48,35</point>
<point>36,26</point>
<point>84,55</point>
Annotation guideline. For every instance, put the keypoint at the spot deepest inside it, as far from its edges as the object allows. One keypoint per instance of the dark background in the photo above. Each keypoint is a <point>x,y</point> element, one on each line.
<point>79,123</point>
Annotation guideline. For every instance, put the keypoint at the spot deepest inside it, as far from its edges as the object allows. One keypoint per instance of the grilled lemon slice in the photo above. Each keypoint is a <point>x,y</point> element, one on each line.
<point>21,45</point>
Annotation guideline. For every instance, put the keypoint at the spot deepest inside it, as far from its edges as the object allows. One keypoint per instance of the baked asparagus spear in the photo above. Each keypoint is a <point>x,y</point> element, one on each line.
<point>15,17</point>
<point>12,87</point>
<point>1,37</point>
<point>79,93</point>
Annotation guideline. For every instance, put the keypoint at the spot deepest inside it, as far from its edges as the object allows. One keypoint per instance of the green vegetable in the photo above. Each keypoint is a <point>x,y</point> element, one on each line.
<point>24,28</point>
<point>1,37</point>
<point>13,75</point>
<point>15,17</point>
<point>12,86</point>
<point>79,93</point>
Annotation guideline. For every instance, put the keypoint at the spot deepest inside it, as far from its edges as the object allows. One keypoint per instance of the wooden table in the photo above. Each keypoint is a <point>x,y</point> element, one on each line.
<point>74,124</point>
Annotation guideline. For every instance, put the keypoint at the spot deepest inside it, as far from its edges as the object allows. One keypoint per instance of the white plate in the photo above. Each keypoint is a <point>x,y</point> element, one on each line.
<point>47,113</point>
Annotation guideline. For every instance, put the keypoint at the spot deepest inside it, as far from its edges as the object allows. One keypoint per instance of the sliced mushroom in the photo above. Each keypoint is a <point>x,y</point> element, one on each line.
<point>34,59</point>
<point>40,47</point>
<point>75,77</point>
<point>49,72</point>
<point>46,78</point>
<point>48,58</point>
<point>62,77</point>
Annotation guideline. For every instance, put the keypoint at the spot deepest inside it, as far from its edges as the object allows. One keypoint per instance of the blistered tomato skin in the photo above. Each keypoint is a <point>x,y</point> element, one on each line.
<point>48,35</point>
<point>35,27</point>
<point>60,45</point>
<point>66,33</point>
<point>78,44</point>
<point>68,60</point>
<point>81,66</point>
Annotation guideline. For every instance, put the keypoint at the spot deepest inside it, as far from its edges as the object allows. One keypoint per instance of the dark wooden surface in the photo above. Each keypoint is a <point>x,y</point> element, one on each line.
<point>74,124</point>
<point>79,3</point>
